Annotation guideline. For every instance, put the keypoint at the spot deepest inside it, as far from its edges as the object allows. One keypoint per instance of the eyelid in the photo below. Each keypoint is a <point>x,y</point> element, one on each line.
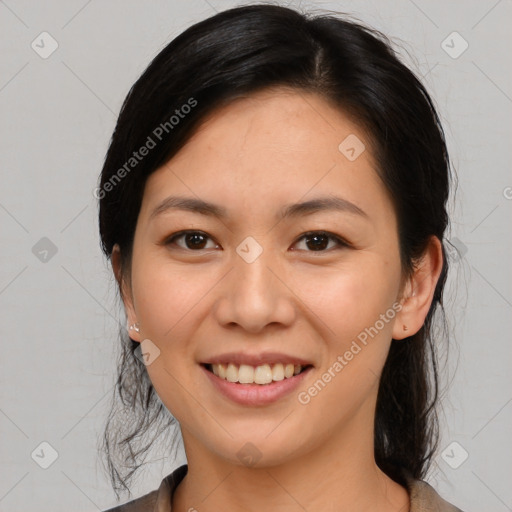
<point>325,233</point>
<point>340,241</point>
<point>170,239</point>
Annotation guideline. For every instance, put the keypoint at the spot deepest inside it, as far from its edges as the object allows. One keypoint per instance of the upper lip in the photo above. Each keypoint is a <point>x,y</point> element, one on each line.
<point>239,358</point>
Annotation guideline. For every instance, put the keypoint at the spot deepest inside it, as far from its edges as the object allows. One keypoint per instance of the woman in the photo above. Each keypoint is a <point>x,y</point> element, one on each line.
<point>273,202</point>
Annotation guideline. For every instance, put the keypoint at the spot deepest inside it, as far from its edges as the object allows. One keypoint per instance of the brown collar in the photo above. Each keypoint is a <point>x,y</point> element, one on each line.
<point>423,496</point>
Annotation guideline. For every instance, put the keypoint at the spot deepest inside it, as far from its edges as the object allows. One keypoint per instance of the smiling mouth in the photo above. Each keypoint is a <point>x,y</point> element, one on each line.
<point>262,374</point>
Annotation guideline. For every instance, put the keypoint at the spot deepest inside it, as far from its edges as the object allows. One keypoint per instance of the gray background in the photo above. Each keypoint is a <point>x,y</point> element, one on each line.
<point>59,316</point>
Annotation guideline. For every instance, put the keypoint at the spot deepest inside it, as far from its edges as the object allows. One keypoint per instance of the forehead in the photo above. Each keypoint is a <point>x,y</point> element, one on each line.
<point>278,119</point>
<point>276,146</point>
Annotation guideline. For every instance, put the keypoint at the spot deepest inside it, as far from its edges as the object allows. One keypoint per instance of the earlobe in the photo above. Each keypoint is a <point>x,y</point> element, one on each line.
<point>133,325</point>
<point>134,331</point>
<point>419,291</point>
<point>401,330</point>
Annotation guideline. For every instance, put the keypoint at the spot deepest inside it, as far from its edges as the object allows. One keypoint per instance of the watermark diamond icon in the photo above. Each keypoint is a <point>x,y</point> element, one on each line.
<point>351,147</point>
<point>454,45</point>
<point>44,250</point>
<point>44,455</point>
<point>454,455</point>
<point>456,249</point>
<point>147,352</point>
<point>44,45</point>
<point>249,454</point>
<point>249,250</point>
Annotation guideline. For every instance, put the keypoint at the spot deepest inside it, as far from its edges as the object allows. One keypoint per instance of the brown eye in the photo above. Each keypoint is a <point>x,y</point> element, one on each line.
<point>318,241</point>
<point>315,241</point>
<point>193,240</point>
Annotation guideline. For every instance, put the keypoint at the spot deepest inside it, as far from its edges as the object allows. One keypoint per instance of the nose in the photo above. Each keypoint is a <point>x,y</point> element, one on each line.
<point>255,295</point>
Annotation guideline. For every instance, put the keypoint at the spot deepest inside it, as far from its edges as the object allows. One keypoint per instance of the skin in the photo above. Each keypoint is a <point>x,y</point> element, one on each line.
<point>254,156</point>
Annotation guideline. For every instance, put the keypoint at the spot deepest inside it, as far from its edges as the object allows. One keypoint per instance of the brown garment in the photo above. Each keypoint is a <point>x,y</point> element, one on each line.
<point>423,497</point>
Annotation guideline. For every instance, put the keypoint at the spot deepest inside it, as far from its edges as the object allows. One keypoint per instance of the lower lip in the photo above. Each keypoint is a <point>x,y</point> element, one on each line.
<point>256,394</point>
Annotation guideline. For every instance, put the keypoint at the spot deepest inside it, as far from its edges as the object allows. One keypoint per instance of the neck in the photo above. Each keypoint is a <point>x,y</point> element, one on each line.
<point>344,474</point>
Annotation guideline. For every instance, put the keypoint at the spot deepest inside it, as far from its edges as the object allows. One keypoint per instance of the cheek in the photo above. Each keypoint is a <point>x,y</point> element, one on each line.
<point>348,300</point>
<point>356,341</point>
<point>356,309</point>
<point>166,298</point>
<point>168,302</point>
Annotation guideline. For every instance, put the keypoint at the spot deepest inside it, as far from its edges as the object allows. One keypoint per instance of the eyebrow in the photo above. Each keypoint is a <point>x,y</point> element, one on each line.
<point>291,210</point>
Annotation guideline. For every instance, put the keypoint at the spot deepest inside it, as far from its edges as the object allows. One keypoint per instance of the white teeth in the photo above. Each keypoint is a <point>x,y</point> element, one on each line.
<point>245,374</point>
<point>232,373</point>
<point>263,374</point>
<point>278,372</point>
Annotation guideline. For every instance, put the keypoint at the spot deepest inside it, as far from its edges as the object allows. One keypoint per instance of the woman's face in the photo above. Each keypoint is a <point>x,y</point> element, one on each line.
<point>250,283</point>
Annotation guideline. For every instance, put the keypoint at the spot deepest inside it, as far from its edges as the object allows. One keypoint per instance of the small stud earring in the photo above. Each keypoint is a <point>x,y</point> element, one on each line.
<point>135,327</point>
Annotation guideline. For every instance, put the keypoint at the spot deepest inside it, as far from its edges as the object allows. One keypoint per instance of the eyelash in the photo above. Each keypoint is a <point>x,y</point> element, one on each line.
<point>341,243</point>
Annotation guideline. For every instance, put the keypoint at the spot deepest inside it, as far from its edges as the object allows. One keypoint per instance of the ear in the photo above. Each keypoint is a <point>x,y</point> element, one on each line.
<point>126,293</point>
<point>419,291</point>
